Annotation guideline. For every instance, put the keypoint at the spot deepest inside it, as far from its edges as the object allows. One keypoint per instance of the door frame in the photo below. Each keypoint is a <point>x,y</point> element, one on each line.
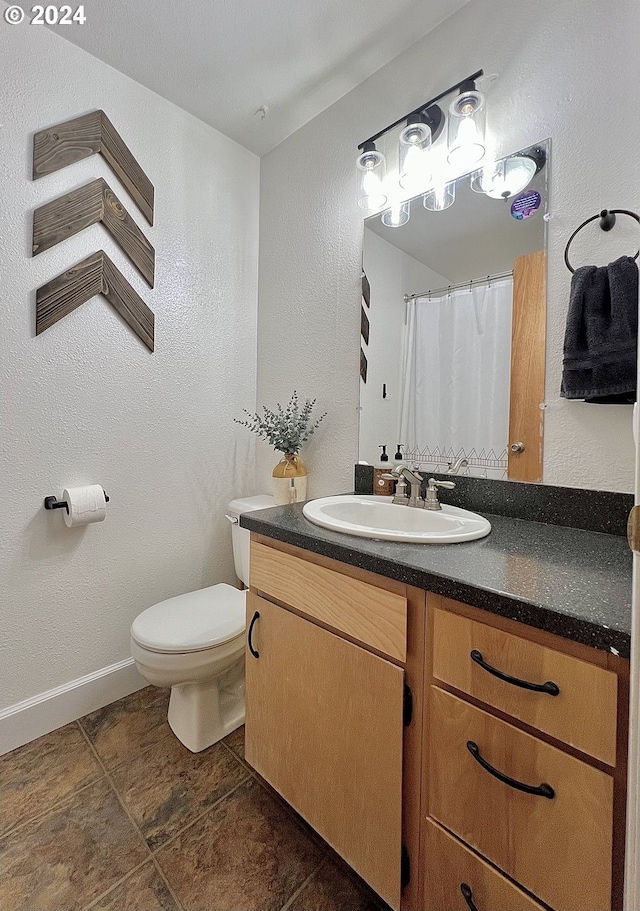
<point>632,857</point>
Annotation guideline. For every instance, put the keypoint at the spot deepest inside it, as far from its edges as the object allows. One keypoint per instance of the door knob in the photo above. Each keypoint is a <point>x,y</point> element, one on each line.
<point>517,447</point>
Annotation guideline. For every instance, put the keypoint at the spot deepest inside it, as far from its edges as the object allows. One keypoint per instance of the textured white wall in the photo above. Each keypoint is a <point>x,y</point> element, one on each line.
<point>87,403</point>
<point>566,68</point>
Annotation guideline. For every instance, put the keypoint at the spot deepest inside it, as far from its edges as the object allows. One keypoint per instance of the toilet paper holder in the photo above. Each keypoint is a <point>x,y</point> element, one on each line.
<point>54,503</point>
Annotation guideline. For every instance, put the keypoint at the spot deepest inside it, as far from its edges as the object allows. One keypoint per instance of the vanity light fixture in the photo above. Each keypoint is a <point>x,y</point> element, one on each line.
<point>465,135</point>
<point>371,169</point>
<point>422,127</point>
<point>504,179</point>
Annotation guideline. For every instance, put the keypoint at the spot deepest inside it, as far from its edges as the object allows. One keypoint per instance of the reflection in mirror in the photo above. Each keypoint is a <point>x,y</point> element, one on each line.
<point>453,352</point>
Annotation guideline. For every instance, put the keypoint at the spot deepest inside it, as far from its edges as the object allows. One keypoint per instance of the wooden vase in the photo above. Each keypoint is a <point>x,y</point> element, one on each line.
<point>289,480</point>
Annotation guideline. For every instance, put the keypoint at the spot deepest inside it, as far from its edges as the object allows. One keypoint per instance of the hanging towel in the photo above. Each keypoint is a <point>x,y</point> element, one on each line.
<point>600,342</point>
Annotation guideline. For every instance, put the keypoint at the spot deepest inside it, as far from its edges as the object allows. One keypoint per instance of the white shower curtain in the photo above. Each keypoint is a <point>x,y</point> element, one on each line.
<point>455,379</point>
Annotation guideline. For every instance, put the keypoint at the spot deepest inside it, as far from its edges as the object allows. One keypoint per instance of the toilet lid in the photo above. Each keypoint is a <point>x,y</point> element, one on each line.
<point>193,621</point>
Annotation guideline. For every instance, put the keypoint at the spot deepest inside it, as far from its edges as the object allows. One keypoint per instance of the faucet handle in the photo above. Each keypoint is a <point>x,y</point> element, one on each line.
<point>433,483</point>
<point>401,497</point>
<point>431,500</point>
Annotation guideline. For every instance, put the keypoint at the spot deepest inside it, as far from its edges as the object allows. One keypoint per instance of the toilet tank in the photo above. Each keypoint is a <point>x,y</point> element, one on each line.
<point>240,536</point>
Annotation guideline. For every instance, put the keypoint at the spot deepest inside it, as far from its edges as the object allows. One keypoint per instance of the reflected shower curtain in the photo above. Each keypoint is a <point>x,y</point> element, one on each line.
<point>455,379</point>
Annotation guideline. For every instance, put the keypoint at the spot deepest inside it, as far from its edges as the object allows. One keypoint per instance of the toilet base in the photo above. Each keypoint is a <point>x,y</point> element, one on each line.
<point>201,714</point>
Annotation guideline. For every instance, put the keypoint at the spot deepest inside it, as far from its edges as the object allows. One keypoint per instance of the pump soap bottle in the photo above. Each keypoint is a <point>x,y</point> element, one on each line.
<point>383,486</point>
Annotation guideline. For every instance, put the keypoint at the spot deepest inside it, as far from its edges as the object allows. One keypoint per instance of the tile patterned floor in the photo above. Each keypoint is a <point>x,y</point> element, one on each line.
<point>112,813</point>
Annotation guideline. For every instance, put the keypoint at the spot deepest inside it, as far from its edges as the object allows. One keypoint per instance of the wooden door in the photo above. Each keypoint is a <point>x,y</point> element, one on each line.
<point>324,728</point>
<point>528,334</point>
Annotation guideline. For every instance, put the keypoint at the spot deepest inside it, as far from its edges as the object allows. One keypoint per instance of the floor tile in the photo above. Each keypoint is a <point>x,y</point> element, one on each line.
<point>246,854</point>
<point>66,858</point>
<point>235,740</point>
<point>335,888</point>
<point>167,788</point>
<point>144,890</point>
<point>129,726</point>
<point>36,776</point>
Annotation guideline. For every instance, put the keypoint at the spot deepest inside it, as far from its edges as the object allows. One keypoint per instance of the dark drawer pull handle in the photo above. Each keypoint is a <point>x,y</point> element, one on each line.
<point>254,652</point>
<point>543,790</point>
<point>549,687</point>
<point>467,894</point>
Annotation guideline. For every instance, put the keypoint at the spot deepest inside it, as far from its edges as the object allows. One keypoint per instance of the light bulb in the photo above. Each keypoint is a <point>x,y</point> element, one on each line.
<point>440,197</point>
<point>372,184</point>
<point>466,130</point>
<point>396,215</point>
<point>414,147</point>
<point>370,168</point>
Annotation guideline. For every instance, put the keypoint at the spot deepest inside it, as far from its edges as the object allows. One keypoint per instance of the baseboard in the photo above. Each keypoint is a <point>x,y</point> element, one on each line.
<point>24,721</point>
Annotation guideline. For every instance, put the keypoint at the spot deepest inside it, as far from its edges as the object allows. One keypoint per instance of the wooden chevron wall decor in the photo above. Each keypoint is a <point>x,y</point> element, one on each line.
<point>94,275</point>
<point>95,202</point>
<point>88,135</point>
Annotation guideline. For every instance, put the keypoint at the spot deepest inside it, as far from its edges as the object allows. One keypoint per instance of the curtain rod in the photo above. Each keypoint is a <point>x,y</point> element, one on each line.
<point>460,285</point>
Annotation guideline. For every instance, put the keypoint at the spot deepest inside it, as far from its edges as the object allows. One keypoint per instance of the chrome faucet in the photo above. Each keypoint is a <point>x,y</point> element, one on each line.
<point>402,474</point>
<point>431,500</point>
<point>454,467</point>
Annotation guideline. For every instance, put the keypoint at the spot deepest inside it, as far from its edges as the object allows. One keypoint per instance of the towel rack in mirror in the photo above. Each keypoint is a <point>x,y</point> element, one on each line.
<point>607,221</point>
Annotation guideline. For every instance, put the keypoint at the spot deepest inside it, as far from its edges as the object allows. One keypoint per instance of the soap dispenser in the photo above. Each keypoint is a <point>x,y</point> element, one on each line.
<point>382,485</point>
<point>398,457</point>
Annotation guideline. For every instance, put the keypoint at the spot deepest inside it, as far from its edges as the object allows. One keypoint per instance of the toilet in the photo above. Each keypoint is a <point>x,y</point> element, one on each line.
<point>194,643</point>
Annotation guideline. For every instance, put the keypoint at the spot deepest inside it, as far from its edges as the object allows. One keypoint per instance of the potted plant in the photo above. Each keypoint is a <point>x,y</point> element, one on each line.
<point>286,429</point>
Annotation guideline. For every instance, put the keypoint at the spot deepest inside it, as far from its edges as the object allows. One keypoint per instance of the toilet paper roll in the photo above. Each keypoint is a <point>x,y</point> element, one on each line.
<point>85,505</point>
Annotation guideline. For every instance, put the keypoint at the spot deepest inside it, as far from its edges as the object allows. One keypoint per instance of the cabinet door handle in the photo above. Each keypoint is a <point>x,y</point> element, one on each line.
<point>467,894</point>
<point>254,652</point>
<point>549,687</point>
<point>542,790</point>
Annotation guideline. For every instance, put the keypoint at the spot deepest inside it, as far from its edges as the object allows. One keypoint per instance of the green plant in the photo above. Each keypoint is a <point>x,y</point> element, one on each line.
<point>286,429</point>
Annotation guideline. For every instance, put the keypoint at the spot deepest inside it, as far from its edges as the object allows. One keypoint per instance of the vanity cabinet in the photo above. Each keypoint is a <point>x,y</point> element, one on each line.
<point>526,765</point>
<point>325,678</point>
<point>456,759</point>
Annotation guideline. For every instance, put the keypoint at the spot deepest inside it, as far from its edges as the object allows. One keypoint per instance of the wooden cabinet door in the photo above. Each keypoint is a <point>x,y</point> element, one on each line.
<point>324,728</point>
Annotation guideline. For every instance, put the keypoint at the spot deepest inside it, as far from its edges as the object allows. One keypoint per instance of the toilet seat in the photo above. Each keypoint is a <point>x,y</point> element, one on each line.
<point>192,622</point>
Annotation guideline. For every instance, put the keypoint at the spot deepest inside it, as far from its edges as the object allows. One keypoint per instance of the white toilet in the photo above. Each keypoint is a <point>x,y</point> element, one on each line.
<point>194,643</point>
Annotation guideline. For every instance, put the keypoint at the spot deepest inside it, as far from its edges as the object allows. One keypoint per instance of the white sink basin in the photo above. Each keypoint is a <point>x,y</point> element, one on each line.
<point>378,517</point>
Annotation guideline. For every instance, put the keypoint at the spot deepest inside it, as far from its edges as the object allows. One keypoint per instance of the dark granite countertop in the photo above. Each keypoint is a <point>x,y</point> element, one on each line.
<point>568,581</point>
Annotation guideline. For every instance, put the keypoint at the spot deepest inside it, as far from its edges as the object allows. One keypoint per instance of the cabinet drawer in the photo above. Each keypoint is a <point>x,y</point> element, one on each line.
<point>371,615</point>
<point>450,867</point>
<point>582,714</point>
<point>560,848</point>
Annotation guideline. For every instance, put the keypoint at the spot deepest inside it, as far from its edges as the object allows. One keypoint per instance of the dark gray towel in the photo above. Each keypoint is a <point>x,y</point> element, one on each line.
<point>600,342</point>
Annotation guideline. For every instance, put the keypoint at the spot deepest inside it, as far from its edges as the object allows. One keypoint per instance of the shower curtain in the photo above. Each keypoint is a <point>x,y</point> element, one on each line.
<point>455,379</point>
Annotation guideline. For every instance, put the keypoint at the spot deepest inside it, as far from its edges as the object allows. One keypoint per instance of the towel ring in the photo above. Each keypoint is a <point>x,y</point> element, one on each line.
<point>607,221</point>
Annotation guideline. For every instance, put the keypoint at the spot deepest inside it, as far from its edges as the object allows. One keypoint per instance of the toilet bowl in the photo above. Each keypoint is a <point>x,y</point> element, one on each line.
<point>194,643</point>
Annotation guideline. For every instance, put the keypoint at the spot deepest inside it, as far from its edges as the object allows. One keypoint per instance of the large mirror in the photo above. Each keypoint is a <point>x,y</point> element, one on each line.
<point>453,324</point>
